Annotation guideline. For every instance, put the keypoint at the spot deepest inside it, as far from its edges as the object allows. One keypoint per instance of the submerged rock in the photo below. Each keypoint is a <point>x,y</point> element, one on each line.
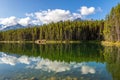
<point>33,78</point>
<point>52,78</point>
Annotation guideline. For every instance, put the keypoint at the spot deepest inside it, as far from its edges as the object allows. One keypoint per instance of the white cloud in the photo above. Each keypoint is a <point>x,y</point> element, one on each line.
<point>29,14</point>
<point>87,11</point>
<point>36,22</point>
<point>99,9</point>
<point>41,17</point>
<point>8,21</point>
<point>24,21</point>
<point>11,21</point>
<point>48,16</point>
<point>55,15</point>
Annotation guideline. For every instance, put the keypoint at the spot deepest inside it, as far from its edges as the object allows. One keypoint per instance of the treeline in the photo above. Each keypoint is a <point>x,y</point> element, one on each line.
<point>108,29</point>
<point>68,30</point>
<point>112,25</point>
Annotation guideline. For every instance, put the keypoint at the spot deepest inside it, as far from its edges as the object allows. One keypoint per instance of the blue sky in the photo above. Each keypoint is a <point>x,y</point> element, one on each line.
<point>17,9</point>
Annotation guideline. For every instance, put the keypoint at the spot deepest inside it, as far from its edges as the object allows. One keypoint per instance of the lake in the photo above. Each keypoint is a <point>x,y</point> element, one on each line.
<point>59,62</point>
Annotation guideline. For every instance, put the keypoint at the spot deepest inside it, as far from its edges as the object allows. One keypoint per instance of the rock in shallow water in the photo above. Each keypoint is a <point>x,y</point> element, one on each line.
<point>33,78</point>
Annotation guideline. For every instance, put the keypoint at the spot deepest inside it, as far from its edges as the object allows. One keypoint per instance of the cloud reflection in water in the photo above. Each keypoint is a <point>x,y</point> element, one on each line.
<point>45,64</point>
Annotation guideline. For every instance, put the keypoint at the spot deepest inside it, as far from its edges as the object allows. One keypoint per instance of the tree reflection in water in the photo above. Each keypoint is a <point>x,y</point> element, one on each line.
<point>67,56</point>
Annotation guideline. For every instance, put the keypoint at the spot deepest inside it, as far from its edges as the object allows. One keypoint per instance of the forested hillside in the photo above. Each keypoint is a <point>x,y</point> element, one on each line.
<point>108,30</point>
<point>68,30</point>
<point>112,25</point>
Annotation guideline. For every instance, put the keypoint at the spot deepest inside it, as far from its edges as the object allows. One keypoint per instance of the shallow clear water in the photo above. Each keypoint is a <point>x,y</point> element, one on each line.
<point>59,61</point>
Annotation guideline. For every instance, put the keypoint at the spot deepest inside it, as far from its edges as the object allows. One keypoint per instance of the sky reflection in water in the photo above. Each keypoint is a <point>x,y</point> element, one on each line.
<point>80,61</point>
<point>45,64</point>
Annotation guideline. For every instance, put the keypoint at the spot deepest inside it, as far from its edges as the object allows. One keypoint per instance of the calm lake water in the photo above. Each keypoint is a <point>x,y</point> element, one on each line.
<point>59,62</point>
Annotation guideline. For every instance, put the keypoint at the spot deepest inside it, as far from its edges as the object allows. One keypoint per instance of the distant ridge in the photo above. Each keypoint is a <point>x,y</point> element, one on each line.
<point>17,26</point>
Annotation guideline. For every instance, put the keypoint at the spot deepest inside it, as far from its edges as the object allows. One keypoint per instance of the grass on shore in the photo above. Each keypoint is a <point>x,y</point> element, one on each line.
<point>107,43</point>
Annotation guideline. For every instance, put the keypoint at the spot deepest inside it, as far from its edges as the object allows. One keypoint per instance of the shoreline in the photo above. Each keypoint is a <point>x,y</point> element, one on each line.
<point>16,41</point>
<point>46,42</point>
<point>108,43</point>
<point>104,43</point>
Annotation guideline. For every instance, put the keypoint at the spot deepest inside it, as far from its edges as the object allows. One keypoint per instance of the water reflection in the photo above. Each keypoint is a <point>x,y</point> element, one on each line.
<point>80,61</point>
<point>12,60</point>
<point>44,64</point>
<point>59,52</point>
<point>87,69</point>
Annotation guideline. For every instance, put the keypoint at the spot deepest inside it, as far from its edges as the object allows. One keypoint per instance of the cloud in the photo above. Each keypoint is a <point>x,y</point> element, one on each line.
<point>48,16</point>
<point>29,14</point>
<point>8,21</point>
<point>11,21</point>
<point>41,17</point>
<point>24,21</point>
<point>99,9</point>
<point>87,11</point>
<point>55,15</point>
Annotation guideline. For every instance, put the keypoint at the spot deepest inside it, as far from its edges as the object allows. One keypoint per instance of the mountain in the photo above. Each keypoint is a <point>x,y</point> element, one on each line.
<point>78,19</point>
<point>17,26</point>
<point>1,27</point>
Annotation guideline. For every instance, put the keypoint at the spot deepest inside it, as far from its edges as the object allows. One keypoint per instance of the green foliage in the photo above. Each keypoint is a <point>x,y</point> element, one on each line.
<point>112,25</point>
<point>68,30</point>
